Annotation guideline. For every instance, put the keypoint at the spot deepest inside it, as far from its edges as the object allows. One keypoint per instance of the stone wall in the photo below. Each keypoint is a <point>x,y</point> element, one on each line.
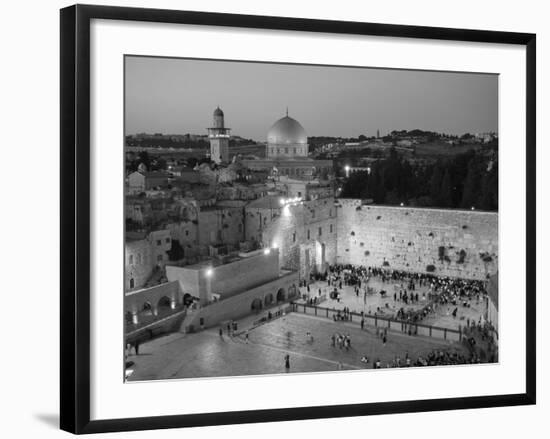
<point>459,243</point>
<point>220,226</point>
<point>227,279</point>
<point>240,305</point>
<point>138,264</point>
<point>134,300</point>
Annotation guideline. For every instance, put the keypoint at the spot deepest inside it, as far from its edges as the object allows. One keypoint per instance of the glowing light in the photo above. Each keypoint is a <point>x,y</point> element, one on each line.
<point>286,210</point>
<point>473,208</point>
<point>347,168</point>
<point>209,272</point>
<point>267,251</point>
<point>290,201</point>
<point>401,204</point>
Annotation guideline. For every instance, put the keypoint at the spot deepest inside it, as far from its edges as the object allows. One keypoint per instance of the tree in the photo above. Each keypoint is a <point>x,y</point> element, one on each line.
<point>446,193</point>
<point>463,180</point>
<point>488,198</point>
<point>471,185</point>
<point>435,182</point>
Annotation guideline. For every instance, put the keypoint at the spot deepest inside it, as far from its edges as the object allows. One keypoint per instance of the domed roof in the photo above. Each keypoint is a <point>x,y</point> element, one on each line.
<point>287,131</point>
<point>218,112</point>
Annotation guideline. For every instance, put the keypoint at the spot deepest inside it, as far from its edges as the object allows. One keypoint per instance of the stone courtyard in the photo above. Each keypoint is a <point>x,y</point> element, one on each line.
<point>387,306</point>
<point>207,354</point>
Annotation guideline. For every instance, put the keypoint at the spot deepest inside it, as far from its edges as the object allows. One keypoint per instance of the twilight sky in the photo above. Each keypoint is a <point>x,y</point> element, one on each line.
<point>178,96</point>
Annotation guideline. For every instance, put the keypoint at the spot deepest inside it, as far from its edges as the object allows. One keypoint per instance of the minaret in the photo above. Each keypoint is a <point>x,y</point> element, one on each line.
<point>219,138</point>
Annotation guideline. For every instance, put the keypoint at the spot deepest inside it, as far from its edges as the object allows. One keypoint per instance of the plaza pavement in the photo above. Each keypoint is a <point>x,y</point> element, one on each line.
<point>206,354</point>
<point>442,317</point>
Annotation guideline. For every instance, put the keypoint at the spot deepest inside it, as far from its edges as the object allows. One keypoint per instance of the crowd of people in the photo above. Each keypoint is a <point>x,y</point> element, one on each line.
<point>433,358</point>
<point>342,315</point>
<point>416,296</point>
<point>343,341</point>
<point>438,292</point>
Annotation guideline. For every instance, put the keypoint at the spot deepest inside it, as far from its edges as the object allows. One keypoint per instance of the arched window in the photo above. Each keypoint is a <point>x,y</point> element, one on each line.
<point>131,282</point>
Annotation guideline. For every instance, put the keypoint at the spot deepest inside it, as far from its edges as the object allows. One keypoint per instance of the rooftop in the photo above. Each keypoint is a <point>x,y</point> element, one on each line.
<point>267,202</point>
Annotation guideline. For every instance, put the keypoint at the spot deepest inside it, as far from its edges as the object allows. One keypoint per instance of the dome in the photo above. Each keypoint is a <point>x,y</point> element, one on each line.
<point>287,131</point>
<point>218,112</point>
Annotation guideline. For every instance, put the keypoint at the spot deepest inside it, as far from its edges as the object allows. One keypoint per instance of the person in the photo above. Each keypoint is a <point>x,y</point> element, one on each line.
<point>221,332</point>
<point>136,347</point>
<point>362,323</point>
<point>246,337</point>
<point>287,362</point>
<point>384,339</point>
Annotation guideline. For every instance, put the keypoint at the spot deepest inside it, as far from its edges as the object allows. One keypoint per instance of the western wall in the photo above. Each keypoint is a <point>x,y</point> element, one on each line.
<point>445,242</point>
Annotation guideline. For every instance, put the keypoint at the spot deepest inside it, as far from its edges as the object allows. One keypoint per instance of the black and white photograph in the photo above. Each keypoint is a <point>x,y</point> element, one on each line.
<point>295,218</point>
<point>275,220</point>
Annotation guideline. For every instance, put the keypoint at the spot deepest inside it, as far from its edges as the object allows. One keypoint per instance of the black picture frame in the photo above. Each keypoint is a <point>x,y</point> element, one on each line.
<point>75,217</point>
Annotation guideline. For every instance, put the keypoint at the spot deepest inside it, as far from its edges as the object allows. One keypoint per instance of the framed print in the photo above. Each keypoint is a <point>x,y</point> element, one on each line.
<point>251,205</point>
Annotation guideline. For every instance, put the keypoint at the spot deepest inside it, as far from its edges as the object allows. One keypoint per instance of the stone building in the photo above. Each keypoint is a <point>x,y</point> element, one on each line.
<point>143,181</point>
<point>144,252</point>
<point>304,231</point>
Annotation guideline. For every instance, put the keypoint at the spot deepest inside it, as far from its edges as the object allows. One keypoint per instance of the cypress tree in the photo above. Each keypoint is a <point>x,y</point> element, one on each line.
<point>471,186</point>
<point>446,194</point>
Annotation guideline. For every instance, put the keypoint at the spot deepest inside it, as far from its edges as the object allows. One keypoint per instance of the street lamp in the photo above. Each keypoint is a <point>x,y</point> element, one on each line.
<point>347,168</point>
